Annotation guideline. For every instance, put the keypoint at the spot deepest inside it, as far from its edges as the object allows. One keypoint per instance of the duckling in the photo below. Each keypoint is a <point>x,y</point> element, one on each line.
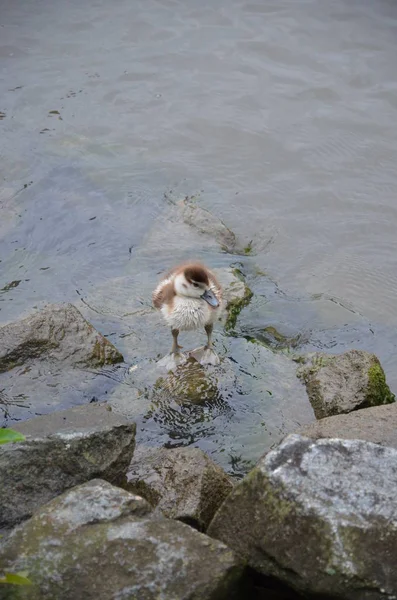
<point>189,297</point>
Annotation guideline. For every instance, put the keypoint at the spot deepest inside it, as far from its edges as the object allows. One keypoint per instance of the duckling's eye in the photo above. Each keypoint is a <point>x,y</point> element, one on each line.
<point>195,284</point>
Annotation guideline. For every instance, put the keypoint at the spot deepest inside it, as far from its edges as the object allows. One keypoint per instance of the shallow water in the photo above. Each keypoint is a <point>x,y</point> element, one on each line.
<point>281,117</point>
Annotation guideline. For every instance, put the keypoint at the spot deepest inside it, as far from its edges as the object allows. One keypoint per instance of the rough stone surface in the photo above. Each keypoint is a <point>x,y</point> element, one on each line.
<point>100,542</point>
<point>320,516</point>
<point>58,332</point>
<point>377,424</point>
<point>62,450</point>
<point>236,293</point>
<point>183,483</point>
<point>342,383</point>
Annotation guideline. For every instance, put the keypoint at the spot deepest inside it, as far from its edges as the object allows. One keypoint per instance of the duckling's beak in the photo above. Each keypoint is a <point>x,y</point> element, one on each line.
<point>209,297</point>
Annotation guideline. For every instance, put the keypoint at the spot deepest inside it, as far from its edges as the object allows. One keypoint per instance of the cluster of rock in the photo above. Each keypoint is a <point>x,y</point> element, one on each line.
<point>317,514</point>
<point>85,514</point>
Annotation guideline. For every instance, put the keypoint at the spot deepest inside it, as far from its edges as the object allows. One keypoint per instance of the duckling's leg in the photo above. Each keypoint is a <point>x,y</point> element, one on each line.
<point>206,355</point>
<point>175,345</point>
<point>174,358</point>
<point>208,330</point>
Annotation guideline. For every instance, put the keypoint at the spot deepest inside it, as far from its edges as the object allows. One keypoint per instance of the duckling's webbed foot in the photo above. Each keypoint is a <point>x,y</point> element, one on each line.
<point>206,355</point>
<point>174,358</point>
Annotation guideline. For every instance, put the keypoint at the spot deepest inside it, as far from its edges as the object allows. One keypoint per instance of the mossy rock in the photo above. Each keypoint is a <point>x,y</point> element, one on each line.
<point>58,333</point>
<point>189,383</point>
<point>338,384</point>
<point>236,294</point>
<point>234,308</point>
<point>378,391</point>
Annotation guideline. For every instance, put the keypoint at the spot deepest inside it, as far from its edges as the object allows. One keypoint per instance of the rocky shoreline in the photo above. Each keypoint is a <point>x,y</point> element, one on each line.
<point>87,512</point>
<point>84,513</point>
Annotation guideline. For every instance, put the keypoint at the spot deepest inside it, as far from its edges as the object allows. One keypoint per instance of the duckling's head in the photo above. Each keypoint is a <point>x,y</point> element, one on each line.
<point>193,282</point>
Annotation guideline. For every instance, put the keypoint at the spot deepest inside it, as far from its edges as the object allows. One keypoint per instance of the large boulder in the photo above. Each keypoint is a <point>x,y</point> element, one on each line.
<point>345,382</point>
<point>62,450</point>
<point>183,483</point>
<point>58,332</point>
<point>320,516</point>
<point>377,424</point>
<point>97,541</point>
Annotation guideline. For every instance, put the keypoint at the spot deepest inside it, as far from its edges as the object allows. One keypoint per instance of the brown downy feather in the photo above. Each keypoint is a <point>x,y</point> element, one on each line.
<point>196,273</point>
<point>164,295</point>
<point>193,271</point>
<point>183,267</point>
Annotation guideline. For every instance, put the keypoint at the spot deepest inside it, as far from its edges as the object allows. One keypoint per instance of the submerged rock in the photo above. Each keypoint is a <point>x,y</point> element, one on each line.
<point>270,336</point>
<point>62,450</point>
<point>189,383</point>
<point>58,332</point>
<point>183,483</point>
<point>206,223</point>
<point>320,516</point>
<point>377,424</point>
<point>344,382</point>
<point>97,541</point>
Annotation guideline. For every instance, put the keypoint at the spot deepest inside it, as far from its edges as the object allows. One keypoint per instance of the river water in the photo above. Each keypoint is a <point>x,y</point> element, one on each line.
<point>280,117</point>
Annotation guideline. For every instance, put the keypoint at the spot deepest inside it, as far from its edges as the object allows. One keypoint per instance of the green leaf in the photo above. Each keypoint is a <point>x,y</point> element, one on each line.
<point>15,579</point>
<point>9,435</point>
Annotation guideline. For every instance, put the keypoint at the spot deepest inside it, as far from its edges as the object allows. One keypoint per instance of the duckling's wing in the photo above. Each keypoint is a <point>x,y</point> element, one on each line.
<point>163,294</point>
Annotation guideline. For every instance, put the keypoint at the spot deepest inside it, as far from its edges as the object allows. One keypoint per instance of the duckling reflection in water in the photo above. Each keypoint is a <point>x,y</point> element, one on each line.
<point>189,297</point>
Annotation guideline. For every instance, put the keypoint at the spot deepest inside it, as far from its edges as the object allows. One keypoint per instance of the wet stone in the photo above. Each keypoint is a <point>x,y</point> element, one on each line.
<point>52,359</point>
<point>58,332</point>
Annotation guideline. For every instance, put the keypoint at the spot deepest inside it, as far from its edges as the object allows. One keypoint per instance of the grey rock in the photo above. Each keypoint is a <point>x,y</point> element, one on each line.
<point>320,516</point>
<point>100,542</point>
<point>377,424</point>
<point>59,333</point>
<point>236,294</point>
<point>62,450</point>
<point>183,483</point>
<point>345,382</point>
